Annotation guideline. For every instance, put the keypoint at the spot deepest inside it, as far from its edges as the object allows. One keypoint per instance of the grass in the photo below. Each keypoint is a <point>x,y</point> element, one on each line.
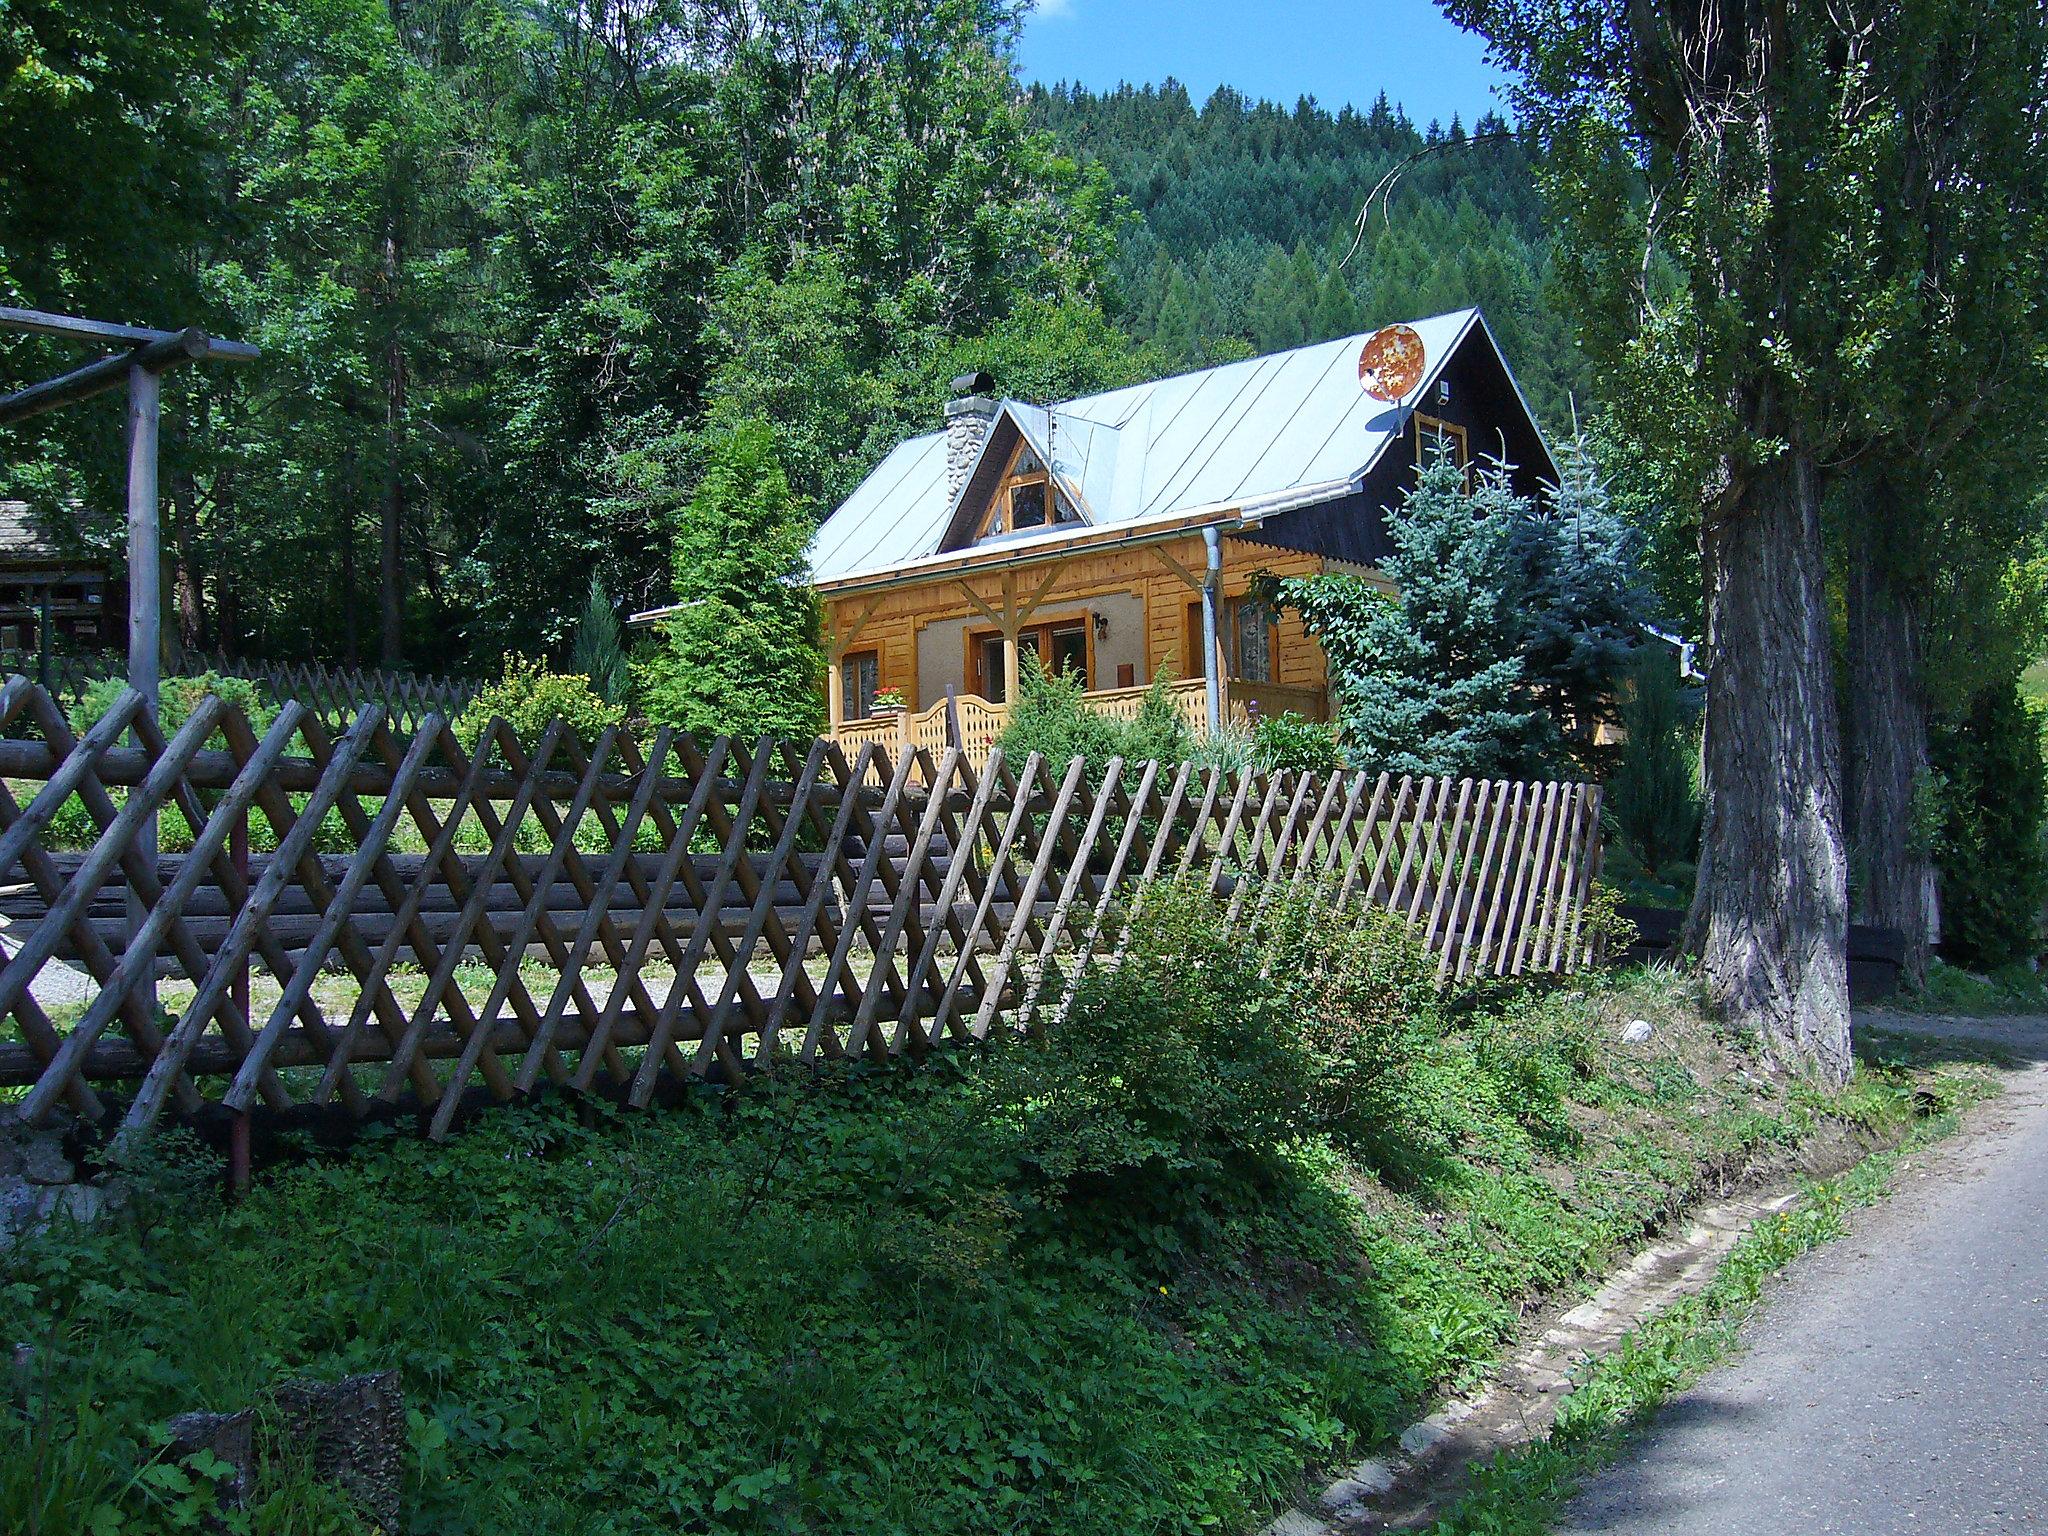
<point>858,1302</point>
<point>1954,991</point>
<point>1525,1491</point>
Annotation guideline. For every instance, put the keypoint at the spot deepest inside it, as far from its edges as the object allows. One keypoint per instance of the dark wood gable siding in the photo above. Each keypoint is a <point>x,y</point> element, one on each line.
<point>1483,400</point>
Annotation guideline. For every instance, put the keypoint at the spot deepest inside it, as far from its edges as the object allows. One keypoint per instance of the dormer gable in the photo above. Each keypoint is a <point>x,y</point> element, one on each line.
<point>1014,487</point>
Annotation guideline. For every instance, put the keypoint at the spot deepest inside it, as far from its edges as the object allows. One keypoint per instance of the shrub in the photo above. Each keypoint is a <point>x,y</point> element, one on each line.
<point>1653,803</point>
<point>1204,1052</point>
<point>1051,717</point>
<point>1992,867</point>
<point>1293,741</point>
<point>530,697</point>
<point>177,697</point>
<point>742,654</point>
<point>600,654</point>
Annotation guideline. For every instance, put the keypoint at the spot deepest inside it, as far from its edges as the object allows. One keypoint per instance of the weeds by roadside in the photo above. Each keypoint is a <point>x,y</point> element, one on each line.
<point>1524,1492</point>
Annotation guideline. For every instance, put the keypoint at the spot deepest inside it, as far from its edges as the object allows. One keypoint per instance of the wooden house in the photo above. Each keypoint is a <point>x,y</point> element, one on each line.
<point>1120,533</point>
<point>43,579</point>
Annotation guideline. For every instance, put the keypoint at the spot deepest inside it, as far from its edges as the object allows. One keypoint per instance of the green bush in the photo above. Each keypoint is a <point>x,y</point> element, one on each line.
<point>1652,799</point>
<point>1204,1052</point>
<point>1294,742</point>
<point>177,697</point>
<point>1051,717</point>
<point>530,697</point>
<point>1992,867</point>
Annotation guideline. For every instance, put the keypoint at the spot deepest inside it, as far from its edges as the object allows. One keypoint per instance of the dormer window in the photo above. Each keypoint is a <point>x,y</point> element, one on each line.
<point>1026,498</point>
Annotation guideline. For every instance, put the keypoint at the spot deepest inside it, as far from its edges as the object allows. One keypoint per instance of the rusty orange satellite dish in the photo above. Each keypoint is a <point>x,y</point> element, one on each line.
<point>1390,363</point>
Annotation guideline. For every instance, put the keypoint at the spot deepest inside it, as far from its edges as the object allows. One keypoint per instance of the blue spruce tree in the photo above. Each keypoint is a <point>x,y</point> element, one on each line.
<point>1433,681</point>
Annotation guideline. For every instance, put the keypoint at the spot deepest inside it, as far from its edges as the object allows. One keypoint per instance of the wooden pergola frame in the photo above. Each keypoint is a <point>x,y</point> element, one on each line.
<point>140,358</point>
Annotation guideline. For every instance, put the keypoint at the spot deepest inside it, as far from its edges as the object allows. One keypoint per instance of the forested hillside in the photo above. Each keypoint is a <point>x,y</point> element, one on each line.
<point>512,267</point>
<point>517,268</point>
<point>1248,210</point>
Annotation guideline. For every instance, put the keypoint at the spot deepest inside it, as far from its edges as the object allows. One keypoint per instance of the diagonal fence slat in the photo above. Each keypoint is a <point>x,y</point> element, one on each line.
<point>443,922</point>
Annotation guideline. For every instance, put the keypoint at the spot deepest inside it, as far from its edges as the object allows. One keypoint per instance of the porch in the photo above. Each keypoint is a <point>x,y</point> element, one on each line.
<point>975,722</point>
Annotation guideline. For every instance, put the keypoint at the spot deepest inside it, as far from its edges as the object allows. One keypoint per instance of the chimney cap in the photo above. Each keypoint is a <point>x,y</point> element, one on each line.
<point>980,382</point>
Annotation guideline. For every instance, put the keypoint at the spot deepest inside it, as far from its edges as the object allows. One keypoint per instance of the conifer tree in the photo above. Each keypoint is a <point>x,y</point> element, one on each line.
<point>1586,600</point>
<point>742,654</point>
<point>1432,681</point>
<point>600,655</point>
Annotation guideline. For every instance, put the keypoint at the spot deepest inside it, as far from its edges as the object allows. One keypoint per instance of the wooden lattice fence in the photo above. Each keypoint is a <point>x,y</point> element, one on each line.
<point>627,917</point>
<point>335,693</point>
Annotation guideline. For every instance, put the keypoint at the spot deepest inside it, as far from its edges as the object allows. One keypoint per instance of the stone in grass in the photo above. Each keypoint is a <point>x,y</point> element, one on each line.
<point>231,1437</point>
<point>1636,1031</point>
<point>353,1433</point>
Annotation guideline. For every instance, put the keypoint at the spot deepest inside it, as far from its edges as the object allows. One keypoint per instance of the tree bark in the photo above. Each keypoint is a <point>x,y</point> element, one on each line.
<point>390,548</point>
<point>1885,736</point>
<point>1770,917</point>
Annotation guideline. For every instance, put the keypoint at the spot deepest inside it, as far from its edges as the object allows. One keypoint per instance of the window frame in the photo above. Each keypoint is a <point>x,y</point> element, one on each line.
<point>999,517</point>
<point>849,698</point>
<point>1040,635</point>
<point>1426,425</point>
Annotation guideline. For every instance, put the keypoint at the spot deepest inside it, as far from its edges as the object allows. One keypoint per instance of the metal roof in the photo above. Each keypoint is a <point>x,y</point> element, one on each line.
<point>1225,439</point>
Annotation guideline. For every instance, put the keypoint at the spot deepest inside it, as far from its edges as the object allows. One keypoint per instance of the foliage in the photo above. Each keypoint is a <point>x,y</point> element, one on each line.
<point>529,698</point>
<point>1992,863</point>
<point>1652,797</point>
<point>600,654</point>
<point>570,1292</point>
<point>743,656</point>
<point>1051,718</point>
<point>1203,1053</point>
<point>177,697</point>
<point>1248,210</point>
<point>1291,741</point>
<point>1951,990</point>
<point>1433,681</point>
<point>513,272</point>
<point>1578,570</point>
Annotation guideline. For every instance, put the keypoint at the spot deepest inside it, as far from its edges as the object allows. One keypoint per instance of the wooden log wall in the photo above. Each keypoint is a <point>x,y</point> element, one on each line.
<point>646,914</point>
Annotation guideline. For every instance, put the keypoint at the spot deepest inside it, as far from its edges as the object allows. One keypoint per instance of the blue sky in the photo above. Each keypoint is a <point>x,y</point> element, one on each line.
<point>1335,50</point>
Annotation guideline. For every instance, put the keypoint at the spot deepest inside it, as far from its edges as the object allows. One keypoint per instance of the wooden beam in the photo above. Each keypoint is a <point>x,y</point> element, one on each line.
<point>987,612</point>
<point>39,322</point>
<point>1039,594</point>
<point>1173,564</point>
<point>842,640</point>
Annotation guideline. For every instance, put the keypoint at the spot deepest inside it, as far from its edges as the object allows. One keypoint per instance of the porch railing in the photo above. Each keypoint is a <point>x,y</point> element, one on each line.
<point>979,722</point>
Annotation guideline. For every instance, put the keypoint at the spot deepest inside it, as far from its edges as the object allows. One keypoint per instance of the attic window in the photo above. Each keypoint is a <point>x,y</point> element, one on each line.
<point>1026,498</point>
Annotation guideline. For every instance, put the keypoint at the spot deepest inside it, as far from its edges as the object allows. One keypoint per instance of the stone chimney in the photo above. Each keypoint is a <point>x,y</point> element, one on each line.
<point>968,415</point>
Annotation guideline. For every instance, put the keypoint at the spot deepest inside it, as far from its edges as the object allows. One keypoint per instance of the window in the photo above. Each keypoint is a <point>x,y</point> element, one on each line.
<point>1251,629</point>
<point>1026,498</point>
<point>860,674</point>
<point>1247,634</point>
<point>1432,433</point>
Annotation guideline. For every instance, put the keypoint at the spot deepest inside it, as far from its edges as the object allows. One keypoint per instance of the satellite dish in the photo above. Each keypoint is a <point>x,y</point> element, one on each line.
<point>1390,363</point>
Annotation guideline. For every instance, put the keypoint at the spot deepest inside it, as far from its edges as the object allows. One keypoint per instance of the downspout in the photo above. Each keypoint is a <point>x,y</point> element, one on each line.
<point>1212,586</point>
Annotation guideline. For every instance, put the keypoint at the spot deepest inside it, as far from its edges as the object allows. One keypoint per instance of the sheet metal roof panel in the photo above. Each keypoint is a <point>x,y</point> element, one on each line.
<point>1240,431</point>
<point>896,514</point>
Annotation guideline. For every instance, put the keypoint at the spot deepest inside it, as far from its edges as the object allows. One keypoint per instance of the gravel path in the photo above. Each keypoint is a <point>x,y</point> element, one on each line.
<point>1896,1380</point>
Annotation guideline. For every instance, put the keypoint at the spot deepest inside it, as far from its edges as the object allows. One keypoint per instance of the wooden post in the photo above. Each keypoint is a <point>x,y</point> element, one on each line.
<point>1011,667</point>
<point>145,595</point>
<point>835,690</point>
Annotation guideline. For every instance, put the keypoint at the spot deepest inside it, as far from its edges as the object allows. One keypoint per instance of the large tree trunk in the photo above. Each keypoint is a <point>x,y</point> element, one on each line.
<point>390,546</point>
<point>1770,919</point>
<point>1885,736</point>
